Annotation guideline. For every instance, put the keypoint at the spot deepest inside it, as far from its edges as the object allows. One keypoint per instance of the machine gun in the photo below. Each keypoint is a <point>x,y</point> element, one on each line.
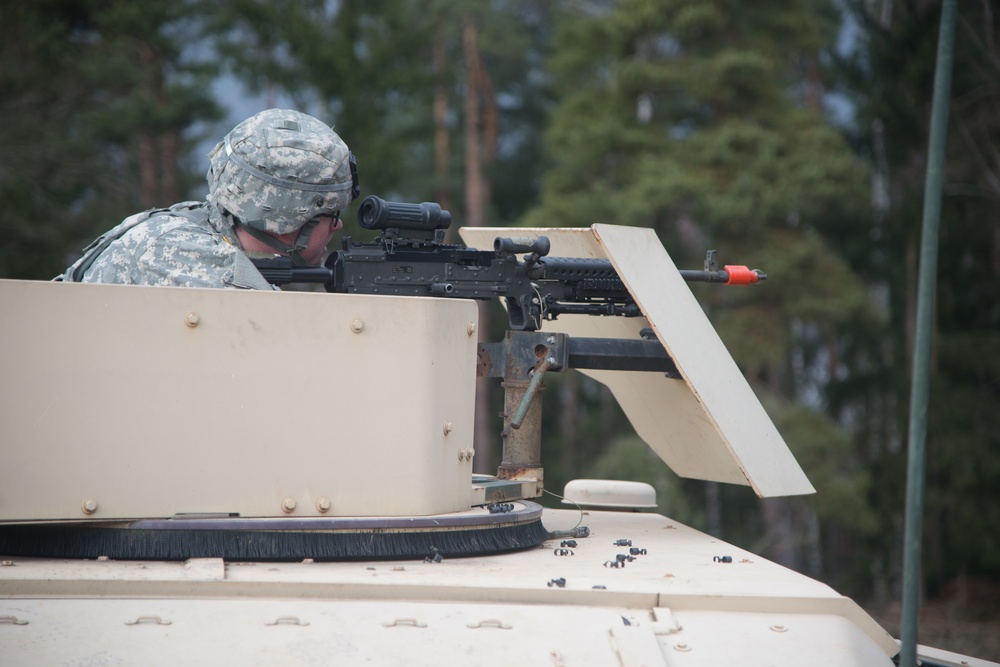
<point>410,258</point>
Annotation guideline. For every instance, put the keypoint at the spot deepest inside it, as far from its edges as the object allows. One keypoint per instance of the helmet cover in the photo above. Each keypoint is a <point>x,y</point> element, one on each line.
<point>280,169</point>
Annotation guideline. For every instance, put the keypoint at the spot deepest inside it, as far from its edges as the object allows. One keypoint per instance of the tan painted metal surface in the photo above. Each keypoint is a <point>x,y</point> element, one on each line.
<point>124,401</point>
<point>710,426</point>
<point>677,604</point>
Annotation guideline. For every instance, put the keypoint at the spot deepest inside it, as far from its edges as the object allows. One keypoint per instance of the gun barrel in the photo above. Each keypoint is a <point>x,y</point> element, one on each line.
<point>693,276</point>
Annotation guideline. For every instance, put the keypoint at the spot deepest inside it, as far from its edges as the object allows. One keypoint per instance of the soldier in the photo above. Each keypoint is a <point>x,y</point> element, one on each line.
<point>277,184</point>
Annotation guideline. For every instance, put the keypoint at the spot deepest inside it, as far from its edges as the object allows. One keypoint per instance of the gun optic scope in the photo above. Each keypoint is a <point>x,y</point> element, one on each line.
<point>376,213</point>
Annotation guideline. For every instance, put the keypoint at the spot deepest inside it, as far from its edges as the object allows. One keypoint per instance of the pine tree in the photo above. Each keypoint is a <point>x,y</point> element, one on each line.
<point>704,121</point>
<point>891,75</point>
<point>99,106</point>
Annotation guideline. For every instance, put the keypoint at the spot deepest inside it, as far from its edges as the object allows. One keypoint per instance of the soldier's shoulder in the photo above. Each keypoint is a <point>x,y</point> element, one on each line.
<point>192,223</point>
<point>193,213</point>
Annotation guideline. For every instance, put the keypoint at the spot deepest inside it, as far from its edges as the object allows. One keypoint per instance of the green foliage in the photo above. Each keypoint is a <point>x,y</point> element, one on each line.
<point>689,118</point>
<point>630,458</point>
<point>890,76</point>
<point>84,83</point>
<point>963,430</point>
<point>825,452</point>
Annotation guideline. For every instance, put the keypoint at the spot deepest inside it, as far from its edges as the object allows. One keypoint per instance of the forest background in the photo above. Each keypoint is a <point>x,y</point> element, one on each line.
<point>791,136</point>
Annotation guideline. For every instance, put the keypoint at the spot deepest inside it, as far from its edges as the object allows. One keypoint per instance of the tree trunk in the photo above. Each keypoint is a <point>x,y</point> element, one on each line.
<point>477,192</point>
<point>147,171</point>
<point>169,191</point>
<point>475,213</point>
<point>713,509</point>
<point>569,416</point>
<point>779,532</point>
<point>442,138</point>
<point>910,321</point>
<point>148,192</point>
<point>158,148</point>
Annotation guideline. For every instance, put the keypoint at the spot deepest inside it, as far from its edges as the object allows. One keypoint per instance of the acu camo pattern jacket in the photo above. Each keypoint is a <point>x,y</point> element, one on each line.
<point>186,245</point>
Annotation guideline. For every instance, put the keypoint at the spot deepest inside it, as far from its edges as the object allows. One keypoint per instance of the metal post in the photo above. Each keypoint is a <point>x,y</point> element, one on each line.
<point>921,353</point>
<point>522,445</point>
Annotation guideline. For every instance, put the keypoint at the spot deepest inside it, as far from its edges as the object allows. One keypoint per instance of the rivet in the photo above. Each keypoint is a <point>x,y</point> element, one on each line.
<point>192,319</point>
<point>471,329</point>
<point>287,620</point>
<point>13,620</point>
<point>89,506</point>
<point>357,325</point>
<point>447,427</point>
<point>149,619</point>
<point>288,504</point>
<point>323,504</point>
<point>682,648</point>
<point>779,628</point>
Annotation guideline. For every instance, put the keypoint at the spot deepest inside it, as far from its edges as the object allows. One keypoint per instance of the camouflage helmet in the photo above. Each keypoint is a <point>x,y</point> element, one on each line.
<point>279,170</point>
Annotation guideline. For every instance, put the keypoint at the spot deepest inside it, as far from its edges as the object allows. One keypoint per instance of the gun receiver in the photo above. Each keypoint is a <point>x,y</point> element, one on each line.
<point>410,258</point>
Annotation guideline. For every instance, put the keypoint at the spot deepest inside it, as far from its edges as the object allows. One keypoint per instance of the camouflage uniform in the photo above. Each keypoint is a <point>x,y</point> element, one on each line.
<point>181,246</point>
<point>275,173</point>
